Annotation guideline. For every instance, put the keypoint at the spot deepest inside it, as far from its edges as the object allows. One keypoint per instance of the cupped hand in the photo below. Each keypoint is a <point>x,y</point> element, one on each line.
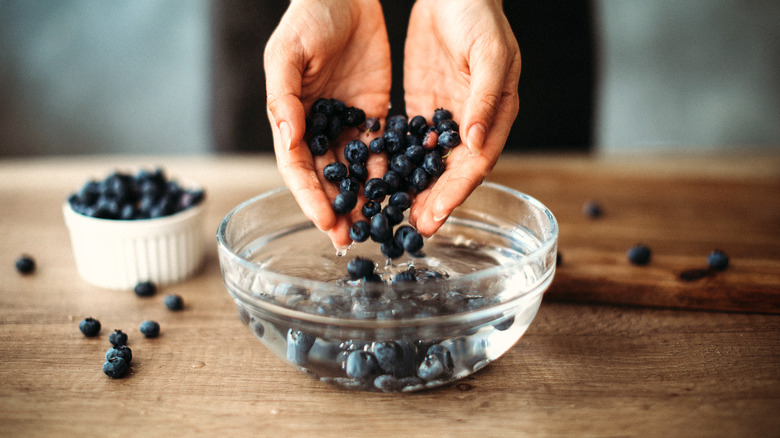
<point>461,55</point>
<point>331,49</point>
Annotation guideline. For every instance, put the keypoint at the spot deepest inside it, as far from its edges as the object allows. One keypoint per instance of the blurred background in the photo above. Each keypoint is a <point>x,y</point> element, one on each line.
<point>186,76</point>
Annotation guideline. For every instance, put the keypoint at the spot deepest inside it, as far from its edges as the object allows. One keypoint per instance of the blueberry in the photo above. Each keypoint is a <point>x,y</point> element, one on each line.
<point>390,249</point>
<point>25,264</point>
<point>361,365</point>
<point>324,106</point>
<point>449,139</point>
<point>377,145</point>
<point>375,189</point>
<point>430,139</point>
<point>592,210</point>
<point>389,357</point>
<point>415,154</point>
<point>413,140</point>
<point>431,368</point>
<point>443,354</point>
<point>257,328</point>
<point>446,125</point>
<point>344,202</point>
<point>401,165</point>
<point>718,260</point>
<point>400,200</point>
<point>639,255</point>
<point>335,171</point>
<point>419,180</point>
<point>118,337</point>
<point>440,115</point>
<point>116,367</point>
<point>174,302</point>
<point>504,324</point>
<point>433,164</point>
<point>407,275</point>
<point>418,125</point>
<point>360,267</point>
<point>358,171</point>
<point>150,329</point>
<point>394,214</point>
<point>316,123</point>
<point>145,289</point>
<point>298,346</point>
<point>371,208</point>
<point>334,128</point>
<point>318,144</point>
<point>360,231</point>
<point>411,241</point>
<point>122,351</point>
<point>353,117</point>
<point>356,152</point>
<point>90,327</point>
<point>393,180</point>
<point>381,231</point>
<point>372,124</point>
<point>398,122</point>
<point>349,184</point>
<point>339,107</point>
<point>394,141</point>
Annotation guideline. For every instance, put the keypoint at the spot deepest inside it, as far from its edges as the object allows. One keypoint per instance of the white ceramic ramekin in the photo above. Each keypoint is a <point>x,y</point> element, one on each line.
<point>118,254</point>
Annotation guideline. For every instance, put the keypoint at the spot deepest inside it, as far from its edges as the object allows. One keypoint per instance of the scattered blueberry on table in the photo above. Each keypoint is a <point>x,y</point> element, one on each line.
<point>122,351</point>
<point>639,254</point>
<point>118,337</point>
<point>718,260</point>
<point>90,327</point>
<point>145,289</point>
<point>25,264</point>
<point>174,302</point>
<point>150,329</point>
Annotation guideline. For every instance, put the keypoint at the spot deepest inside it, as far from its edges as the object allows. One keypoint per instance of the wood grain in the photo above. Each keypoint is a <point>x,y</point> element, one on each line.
<point>581,369</point>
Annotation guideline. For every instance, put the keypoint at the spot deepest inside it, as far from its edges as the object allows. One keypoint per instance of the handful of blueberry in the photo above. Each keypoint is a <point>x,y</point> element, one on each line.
<point>124,196</point>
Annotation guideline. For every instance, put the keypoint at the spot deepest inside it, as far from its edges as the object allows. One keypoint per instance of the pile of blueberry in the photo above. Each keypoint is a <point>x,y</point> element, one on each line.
<point>415,151</point>
<point>124,196</point>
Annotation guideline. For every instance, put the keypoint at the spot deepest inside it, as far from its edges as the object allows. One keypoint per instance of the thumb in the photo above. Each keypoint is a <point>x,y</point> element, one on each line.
<point>283,95</point>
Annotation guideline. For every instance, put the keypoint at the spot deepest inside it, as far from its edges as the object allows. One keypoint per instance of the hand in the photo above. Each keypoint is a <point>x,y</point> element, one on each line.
<point>461,55</point>
<point>324,48</point>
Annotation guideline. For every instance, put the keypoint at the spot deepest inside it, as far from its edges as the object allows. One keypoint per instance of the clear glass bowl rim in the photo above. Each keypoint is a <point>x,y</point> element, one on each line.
<point>483,312</point>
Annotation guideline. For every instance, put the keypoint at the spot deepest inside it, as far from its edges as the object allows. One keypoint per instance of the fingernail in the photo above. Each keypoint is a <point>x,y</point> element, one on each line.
<point>439,212</point>
<point>475,138</point>
<point>284,134</point>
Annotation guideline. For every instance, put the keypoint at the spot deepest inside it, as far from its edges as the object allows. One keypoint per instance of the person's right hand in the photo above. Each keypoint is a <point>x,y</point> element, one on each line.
<point>332,49</point>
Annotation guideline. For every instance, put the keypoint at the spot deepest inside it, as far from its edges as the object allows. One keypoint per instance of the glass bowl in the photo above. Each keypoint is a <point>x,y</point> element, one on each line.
<point>477,285</point>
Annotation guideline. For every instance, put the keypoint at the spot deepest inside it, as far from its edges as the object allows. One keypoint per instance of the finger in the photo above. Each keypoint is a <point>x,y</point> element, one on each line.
<point>284,64</point>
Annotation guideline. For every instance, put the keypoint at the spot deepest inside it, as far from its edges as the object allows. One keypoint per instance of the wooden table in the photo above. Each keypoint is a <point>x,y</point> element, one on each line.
<point>616,350</point>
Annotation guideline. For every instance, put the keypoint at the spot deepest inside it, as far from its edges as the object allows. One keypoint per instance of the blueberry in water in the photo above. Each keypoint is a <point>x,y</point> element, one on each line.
<point>444,355</point>
<point>316,123</point>
<point>298,346</point>
<point>257,328</point>
<point>361,365</point>
<point>358,171</point>
<point>150,329</point>
<point>433,164</point>
<point>504,324</point>
<point>718,260</point>
<point>389,357</point>
<point>390,249</point>
<point>431,368</point>
<point>404,276</point>
<point>116,368</point>
<point>449,139</point>
<point>400,200</point>
<point>335,171</point>
<point>356,152</point>
<point>381,231</point>
<point>419,180</point>
<point>415,153</point>
<point>318,144</point>
<point>118,337</point>
<point>401,165</point>
<point>349,184</point>
<point>122,351</point>
<point>398,122</point>
<point>377,145</point>
<point>360,231</point>
<point>353,117</point>
<point>145,289</point>
<point>418,125</point>
<point>639,255</point>
<point>371,208</point>
<point>344,202</point>
<point>375,189</point>
<point>360,267</point>
<point>440,115</point>
<point>90,327</point>
<point>25,264</point>
<point>447,125</point>
<point>394,141</point>
<point>174,302</point>
<point>393,214</point>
